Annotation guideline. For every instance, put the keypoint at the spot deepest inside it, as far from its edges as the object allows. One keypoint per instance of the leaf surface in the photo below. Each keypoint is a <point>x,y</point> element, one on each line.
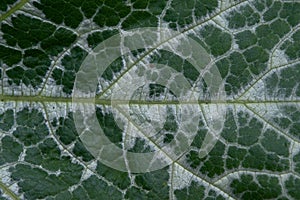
<point>255,45</point>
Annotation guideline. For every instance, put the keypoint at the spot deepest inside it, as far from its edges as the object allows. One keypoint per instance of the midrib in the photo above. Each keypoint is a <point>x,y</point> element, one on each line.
<point>42,99</point>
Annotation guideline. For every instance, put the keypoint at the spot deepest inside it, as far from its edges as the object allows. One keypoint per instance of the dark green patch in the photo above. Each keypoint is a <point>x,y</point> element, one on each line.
<point>248,135</point>
<point>140,146</point>
<point>194,191</point>
<point>4,4</point>
<point>88,7</point>
<point>135,193</point>
<point>213,163</point>
<point>236,20</point>
<point>111,15</point>
<point>67,134</point>
<point>236,71</point>
<point>247,188</point>
<point>292,48</point>
<point>296,160</point>
<point>229,132</point>
<point>56,43</point>
<point>256,54</point>
<point>235,157</point>
<point>193,159</point>
<point>94,188</point>
<point>259,5</point>
<point>97,37</point>
<point>120,179</point>
<point>276,144</point>
<point>293,114</point>
<point>81,152</point>
<point>171,124</point>
<point>290,11</point>
<point>177,63</point>
<point>292,186</point>
<point>115,67</point>
<point>34,156</point>
<point>10,150</point>
<point>245,15</point>
<point>26,31</point>
<point>273,11</point>
<point>71,65</point>
<point>280,27</point>
<point>34,58</point>
<point>257,158</point>
<point>155,183</point>
<point>217,40</point>
<point>284,83</point>
<point>138,19</point>
<point>140,4</point>
<point>109,127</point>
<point>10,56</point>
<point>267,38</point>
<point>6,120</point>
<point>201,133</point>
<point>246,39</point>
<point>17,75</point>
<point>168,138</point>
<point>156,90</point>
<point>61,11</point>
<point>37,64</point>
<point>33,181</point>
<point>66,131</point>
<point>258,59</point>
<point>180,12</point>
<point>31,127</point>
<point>155,7</point>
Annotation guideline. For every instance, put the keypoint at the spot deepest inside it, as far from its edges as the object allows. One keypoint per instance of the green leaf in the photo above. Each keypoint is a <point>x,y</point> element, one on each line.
<point>254,44</point>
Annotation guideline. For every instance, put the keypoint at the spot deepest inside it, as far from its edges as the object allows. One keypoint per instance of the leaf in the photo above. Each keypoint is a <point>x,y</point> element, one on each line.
<point>254,45</point>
